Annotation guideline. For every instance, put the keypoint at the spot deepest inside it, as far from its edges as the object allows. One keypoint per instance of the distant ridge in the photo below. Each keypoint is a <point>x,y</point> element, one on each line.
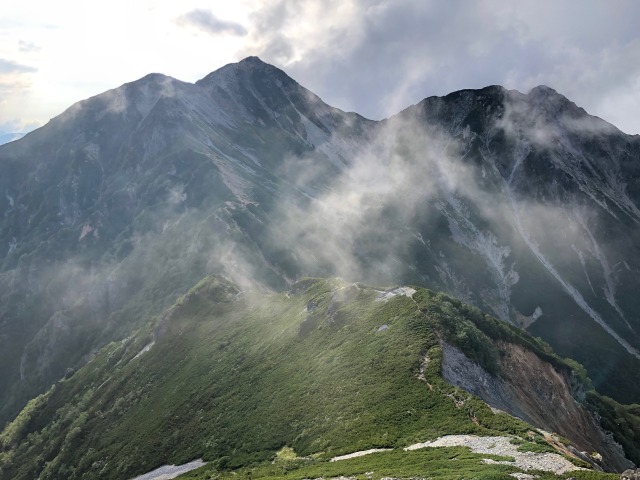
<point>10,137</point>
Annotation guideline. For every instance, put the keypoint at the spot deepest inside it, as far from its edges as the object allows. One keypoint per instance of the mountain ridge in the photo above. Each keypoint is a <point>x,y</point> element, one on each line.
<point>327,368</point>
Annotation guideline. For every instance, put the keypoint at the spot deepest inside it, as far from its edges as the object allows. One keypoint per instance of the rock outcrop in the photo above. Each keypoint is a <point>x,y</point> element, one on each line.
<point>536,392</point>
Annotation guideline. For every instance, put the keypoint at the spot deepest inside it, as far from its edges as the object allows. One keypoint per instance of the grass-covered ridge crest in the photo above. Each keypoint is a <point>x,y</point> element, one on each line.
<point>234,377</point>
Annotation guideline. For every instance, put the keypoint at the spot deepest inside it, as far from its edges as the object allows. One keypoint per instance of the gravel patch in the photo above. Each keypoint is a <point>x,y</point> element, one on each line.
<point>523,476</point>
<point>361,453</point>
<point>548,462</point>
<point>167,472</point>
<point>388,295</point>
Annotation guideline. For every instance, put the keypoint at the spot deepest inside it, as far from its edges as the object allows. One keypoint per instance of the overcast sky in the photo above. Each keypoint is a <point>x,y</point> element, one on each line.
<point>370,56</point>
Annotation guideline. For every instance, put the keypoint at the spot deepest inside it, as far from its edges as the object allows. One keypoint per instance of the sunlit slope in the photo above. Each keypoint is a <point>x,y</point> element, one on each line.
<point>233,376</point>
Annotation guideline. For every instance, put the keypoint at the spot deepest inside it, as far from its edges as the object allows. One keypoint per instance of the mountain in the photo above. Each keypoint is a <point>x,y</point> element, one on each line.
<point>97,204</point>
<point>234,376</point>
<point>522,205</point>
<point>540,200</point>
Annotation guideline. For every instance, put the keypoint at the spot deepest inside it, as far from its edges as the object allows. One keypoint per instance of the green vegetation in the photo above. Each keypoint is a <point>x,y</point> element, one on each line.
<point>622,420</point>
<point>536,447</point>
<point>242,379</point>
<point>533,443</point>
<point>445,463</point>
<point>234,377</point>
<point>476,333</point>
<point>437,463</point>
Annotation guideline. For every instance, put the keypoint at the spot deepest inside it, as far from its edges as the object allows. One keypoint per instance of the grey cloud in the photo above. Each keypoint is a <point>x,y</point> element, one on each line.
<point>9,66</point>
<point>279,48</point>
<point>390,54</point>
<point>207,22</point>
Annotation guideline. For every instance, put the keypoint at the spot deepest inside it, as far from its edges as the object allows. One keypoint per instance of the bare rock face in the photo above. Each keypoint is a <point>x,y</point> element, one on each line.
<point>534,391</point>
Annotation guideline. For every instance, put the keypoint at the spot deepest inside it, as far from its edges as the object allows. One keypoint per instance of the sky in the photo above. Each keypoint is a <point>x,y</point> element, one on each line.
<point>374,57</point>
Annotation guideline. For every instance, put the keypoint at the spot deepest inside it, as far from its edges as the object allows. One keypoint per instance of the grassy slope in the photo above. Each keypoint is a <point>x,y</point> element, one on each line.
<point>235,377</point>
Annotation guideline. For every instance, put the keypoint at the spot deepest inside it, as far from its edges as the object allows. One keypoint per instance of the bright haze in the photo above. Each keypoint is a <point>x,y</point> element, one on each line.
<point>374,57</point>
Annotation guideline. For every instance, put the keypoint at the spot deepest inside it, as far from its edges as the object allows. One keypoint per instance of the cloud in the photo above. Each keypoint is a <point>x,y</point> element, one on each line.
<point>11,67</point>
<point>16,84</point>
<point>207,22</point>
<point>361,226</point>
<point>376,57</point>
<point>437,191</point>
<point>28,47</point>
<point>12,86</point>
<point>17,126</point>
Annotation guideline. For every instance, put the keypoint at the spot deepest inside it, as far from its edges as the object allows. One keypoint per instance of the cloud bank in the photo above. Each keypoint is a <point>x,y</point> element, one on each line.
<point>207,22</point>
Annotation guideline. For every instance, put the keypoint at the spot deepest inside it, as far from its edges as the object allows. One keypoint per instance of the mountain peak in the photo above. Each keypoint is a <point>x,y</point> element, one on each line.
<point>258,91</point>
<point>252,60</point>
<point>559,110</point>
<point>153,77</point>
<point>543,94</point>
<point>543,90</point>
<point>244,67</point>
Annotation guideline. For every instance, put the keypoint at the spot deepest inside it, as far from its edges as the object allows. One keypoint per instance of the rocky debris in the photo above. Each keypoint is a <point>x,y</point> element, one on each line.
<point>361,453</point>
<point>502,446</point>
<point>145,349</point>
<point>630,474</point>
<point>167,472</point>
<point>525,388</point>
<point>523,476</point>
<point>389,294</point>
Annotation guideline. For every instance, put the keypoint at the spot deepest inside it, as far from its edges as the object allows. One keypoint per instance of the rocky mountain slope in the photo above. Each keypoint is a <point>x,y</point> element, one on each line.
<point>127,199</point>
<point>232,376</point>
